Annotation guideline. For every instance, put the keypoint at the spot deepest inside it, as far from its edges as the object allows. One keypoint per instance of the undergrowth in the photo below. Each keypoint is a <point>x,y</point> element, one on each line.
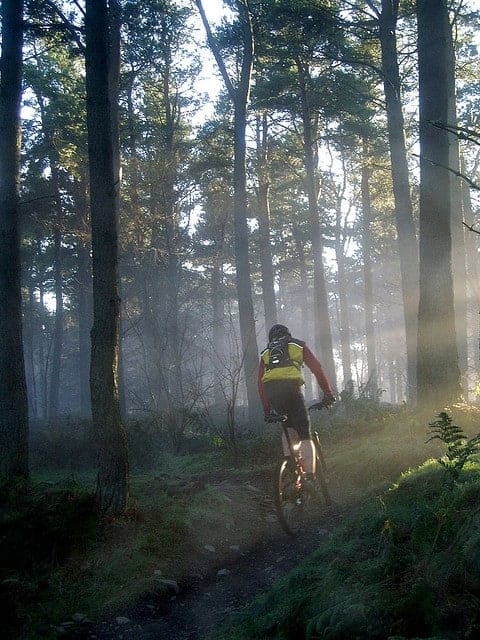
<point>407,566</point>
<point>40,528</point>
<point>67,561</point>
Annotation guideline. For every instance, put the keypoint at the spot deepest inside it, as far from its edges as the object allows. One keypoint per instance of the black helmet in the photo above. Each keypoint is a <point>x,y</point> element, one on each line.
<point>278,331</point>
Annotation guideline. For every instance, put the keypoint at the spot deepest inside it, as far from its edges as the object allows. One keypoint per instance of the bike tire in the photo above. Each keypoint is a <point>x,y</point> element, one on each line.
<point>288,503</point>
<point>319,453</point>
<point>321,479</point>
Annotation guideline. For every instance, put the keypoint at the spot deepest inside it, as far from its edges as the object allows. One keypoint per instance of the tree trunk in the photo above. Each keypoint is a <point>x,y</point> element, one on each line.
<point>218,324</point>
<point>29,326</point>
<point>239,96</point>
<point>263,216</point>
<point>438,374</point>
<point>310,392</point>
<point>407,242</point>
<point>84,294</point>
<point>367,275</point>
<point>344,319</point>
<point>13,393</point>
<point>174,368</point>
<point>57,340</point>
<point>42,322</point>
<point>459,267</point>
<point>112,480</point>
<point>48,132</point>
<point>323,334</point>
<point>242,261</point>
<point>473,285</point>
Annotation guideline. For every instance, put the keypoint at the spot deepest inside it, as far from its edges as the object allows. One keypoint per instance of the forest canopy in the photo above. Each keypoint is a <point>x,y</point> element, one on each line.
<point>187,178</point>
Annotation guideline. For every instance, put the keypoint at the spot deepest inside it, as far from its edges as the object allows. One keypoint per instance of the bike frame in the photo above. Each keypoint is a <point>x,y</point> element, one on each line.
<point>294,451</point>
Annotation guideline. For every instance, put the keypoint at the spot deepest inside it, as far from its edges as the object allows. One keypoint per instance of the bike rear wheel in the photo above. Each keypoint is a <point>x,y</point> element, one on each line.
<point>297,505</point>
<point>288,499</point>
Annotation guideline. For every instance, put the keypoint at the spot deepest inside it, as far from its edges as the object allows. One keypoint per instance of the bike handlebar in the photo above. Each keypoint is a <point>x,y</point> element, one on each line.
<point>276,417</point>
<point>323,404</point>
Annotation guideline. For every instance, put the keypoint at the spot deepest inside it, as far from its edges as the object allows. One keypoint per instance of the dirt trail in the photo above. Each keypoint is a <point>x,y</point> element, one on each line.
<point>220,583</point>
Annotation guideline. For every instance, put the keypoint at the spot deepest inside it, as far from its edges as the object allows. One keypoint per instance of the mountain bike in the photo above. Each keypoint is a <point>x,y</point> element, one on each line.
<point>297,502</point>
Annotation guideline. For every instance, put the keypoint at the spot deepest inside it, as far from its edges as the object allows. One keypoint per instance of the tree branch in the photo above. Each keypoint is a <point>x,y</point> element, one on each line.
<point>459,174</point>
<point>67,24</point>
<point>470,227</point>
<point>216,51</point>
<point>461,132</point>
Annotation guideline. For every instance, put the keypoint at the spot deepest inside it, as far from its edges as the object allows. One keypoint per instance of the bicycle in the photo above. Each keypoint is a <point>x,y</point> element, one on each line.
<point>296,501</point>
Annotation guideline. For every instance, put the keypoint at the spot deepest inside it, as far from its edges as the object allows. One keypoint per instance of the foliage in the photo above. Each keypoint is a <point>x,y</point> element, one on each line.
<point>40,526</point>
<point>405,566</point>
<point>459,449</point>
<point>110,565</point>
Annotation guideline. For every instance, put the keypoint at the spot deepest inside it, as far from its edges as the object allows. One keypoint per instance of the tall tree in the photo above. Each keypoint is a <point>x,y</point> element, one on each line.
<point>438,374</point>
<point>407,241</point>
<point>297,62</point>
<point>112,481</point>
<point>13,394</point>
<point>263,216</point>
<point>367,272</point>
<point>459,266</point>
<point>239,95</point>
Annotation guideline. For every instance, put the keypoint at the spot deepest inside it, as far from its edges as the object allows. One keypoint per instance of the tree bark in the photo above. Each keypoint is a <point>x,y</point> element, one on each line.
<point>263,216</point>
<point>459,266</point>
<point>48,132</point>
<point>310,392</point>
<point>218,324</point>
<point>112,479</point>
<point>84,294</point>
<point>57,346</point>
<point>344,319</point>
<point>323,334</point>
<point>239,96</point>
<point>407,241</point>
<point>367,275</point>
<point>438,374</point>
<point>13,393</point>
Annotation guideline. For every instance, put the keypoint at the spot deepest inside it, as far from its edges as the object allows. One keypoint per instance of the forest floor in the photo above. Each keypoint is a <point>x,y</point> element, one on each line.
<point>232,564</point>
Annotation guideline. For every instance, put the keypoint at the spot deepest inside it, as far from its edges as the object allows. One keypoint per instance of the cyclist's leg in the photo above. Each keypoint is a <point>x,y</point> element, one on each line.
<point>278,393</point>
<point>293,441</point>
<point>307,451</point>
<point>300,417</point>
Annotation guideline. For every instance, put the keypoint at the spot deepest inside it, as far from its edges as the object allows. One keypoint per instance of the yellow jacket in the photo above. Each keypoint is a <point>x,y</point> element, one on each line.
<point>289,372</point>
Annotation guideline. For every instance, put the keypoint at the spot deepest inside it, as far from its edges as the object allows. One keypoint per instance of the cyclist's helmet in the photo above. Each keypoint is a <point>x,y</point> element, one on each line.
<point>278,331</point>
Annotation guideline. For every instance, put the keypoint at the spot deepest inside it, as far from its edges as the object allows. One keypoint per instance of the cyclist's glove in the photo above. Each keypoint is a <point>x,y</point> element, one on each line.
<point>273,416</point>
<point>326,402</point>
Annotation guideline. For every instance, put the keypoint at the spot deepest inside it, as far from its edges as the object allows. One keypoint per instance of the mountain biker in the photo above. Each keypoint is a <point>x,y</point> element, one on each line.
<point>279,386</point>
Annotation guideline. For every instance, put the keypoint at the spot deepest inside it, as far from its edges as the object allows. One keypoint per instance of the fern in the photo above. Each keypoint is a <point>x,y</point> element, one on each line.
<point>459,449</point>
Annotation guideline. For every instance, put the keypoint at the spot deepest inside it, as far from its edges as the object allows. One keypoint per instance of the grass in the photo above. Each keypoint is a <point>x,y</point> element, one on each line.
<point>107,565</point>
<point>406,566</point>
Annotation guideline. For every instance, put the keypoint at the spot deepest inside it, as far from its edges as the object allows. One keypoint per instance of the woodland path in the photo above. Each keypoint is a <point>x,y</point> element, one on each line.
<point>231,568</point>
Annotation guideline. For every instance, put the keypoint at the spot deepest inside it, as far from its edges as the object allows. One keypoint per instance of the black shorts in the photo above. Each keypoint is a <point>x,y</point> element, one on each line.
<point>286,397</point>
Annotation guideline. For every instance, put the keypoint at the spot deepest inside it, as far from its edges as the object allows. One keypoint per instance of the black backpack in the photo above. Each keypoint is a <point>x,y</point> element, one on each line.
<point>278,353</point>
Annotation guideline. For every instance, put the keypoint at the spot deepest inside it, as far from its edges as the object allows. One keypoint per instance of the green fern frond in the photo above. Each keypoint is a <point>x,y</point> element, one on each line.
<point>459,449</point>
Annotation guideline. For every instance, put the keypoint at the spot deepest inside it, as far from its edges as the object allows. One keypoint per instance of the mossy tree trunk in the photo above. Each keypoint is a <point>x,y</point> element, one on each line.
<point>13,393</point>
<point>112,481</point>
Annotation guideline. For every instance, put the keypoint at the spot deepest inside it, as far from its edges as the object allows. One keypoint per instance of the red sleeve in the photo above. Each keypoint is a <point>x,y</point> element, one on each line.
<point>316,368</point>
<point>261,388</point>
